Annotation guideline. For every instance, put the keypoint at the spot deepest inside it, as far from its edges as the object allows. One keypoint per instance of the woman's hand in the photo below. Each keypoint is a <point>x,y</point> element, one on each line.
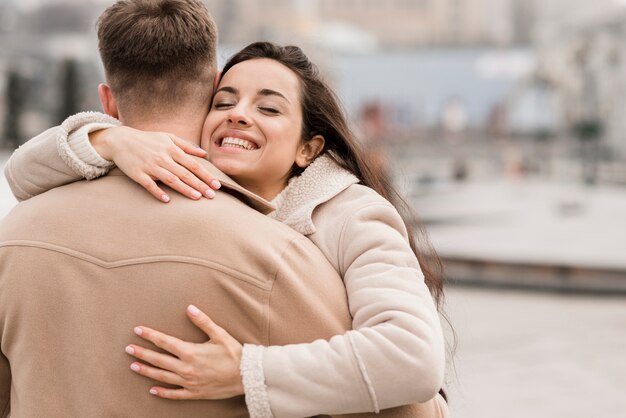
<point>149,156</point>
<point>204,371</point>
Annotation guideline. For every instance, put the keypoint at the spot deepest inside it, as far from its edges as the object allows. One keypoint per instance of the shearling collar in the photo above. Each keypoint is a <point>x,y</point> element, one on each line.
<point>322,180</point>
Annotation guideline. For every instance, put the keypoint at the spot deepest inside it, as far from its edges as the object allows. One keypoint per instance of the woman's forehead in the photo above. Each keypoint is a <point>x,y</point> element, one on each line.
<point>262,73</point>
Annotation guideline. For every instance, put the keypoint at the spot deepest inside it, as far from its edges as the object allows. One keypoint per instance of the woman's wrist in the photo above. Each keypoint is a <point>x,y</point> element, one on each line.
<point>101,141</point>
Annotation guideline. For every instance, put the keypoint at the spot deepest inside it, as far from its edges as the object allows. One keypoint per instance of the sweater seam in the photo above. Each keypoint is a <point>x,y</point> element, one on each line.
<point>364,375</point>
<point>9,171</point>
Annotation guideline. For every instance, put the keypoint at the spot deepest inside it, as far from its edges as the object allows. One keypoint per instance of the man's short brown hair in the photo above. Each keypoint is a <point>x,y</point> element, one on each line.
<point>158,53</point>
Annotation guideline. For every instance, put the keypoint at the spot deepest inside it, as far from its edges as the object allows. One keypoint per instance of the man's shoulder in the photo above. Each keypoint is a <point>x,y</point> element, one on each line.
<point>112,217</point>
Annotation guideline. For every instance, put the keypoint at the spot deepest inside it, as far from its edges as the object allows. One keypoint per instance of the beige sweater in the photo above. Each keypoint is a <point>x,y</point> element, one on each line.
<point>395,353</point>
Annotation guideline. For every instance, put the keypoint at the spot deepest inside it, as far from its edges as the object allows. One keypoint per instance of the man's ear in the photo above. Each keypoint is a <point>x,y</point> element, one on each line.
<point>109,105</point>
<point>309,150</point>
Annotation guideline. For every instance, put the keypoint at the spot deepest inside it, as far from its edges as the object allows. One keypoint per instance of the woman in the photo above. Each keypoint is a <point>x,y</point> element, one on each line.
<point>277,129</point>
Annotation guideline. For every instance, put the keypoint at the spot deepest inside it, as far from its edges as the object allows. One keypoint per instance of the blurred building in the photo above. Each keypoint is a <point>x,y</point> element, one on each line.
<point>449,89</point>
<point>49,64</point>
<point>582,52</point>
<point>392,23</point>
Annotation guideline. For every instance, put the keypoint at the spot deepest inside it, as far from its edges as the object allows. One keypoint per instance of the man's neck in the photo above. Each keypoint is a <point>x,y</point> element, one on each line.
<point>187,129</point>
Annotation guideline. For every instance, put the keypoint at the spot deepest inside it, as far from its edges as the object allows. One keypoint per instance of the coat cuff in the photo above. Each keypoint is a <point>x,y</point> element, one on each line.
<point>253,378</point>
<point>67,152</point>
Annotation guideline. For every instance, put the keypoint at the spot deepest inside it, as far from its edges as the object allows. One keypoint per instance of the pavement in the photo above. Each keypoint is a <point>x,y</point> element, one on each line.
<point>535,354</point>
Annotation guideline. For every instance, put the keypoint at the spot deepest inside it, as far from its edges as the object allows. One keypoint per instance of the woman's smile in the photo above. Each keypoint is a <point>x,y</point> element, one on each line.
<point>231,140</point>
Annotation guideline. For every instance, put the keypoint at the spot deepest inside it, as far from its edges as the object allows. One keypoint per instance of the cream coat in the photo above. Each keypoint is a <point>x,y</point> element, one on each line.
<point>394,355</point>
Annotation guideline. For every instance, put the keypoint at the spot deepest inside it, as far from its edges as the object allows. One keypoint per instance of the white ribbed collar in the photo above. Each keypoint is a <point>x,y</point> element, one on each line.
<point>322,180</point>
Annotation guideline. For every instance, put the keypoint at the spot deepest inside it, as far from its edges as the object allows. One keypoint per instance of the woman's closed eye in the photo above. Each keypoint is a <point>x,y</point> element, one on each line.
<point>223,105</point>
<point>269,110</point>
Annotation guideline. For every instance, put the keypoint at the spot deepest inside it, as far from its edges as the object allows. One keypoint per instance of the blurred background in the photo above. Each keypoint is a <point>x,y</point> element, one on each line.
<point>502,121</point>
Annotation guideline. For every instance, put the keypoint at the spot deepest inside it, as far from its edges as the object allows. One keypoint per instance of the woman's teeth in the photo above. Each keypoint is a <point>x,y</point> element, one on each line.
<point>238,143</point>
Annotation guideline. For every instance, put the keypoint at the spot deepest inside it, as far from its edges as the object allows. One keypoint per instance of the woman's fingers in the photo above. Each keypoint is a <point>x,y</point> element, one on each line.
<point>164,341</point>
<point>175,394</point>
<point>182,168</point>
<point>201,172</point>
<point>187,146</point>
<point>206,324</point>
<point>150,185</point>
<point>159,375</point>
<point>174,182</point>
<point>210,370</point>
<point>149,156</point>
<point>197,171</point>
<point>162,361</point>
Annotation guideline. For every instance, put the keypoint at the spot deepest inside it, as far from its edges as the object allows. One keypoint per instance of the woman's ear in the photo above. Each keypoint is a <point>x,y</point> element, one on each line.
<point>309,150</point>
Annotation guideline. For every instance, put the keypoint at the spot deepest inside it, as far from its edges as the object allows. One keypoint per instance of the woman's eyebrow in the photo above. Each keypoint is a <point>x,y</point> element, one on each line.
<point>227,89</point>
<point>269,92</point>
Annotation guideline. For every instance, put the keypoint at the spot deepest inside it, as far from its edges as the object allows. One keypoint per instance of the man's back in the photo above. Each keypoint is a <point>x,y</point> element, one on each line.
<point>82,265</point>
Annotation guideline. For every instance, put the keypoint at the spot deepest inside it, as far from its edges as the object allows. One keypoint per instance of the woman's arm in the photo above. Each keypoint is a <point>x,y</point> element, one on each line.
<point>57,156</point>
<point>394,355</point>
<point>89,144</point>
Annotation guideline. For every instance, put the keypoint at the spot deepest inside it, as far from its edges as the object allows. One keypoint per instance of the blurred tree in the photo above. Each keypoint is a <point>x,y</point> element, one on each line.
<point>15,95</point>
<point>589,133</point>
<point>71,91</point>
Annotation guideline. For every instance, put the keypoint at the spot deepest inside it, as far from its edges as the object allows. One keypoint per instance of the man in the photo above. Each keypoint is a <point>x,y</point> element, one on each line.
<point>83,264</point>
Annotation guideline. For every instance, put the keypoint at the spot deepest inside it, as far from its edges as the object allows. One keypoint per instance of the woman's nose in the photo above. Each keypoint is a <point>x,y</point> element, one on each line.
<point>238,116</point>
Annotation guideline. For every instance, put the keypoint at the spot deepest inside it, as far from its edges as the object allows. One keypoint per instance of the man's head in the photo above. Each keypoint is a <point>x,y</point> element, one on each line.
<point>159,56</point>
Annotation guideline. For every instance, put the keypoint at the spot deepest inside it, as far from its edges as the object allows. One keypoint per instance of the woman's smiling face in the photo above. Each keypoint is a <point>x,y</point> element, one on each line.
<point>254,126</point>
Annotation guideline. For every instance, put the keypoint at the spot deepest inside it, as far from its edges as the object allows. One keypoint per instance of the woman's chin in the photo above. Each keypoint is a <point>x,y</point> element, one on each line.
<point>229,167</point>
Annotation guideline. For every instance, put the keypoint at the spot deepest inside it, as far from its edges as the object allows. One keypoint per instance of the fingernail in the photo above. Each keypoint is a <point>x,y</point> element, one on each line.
<point>135,367</point>
<point>153,391</point>
<point>216,184</point>
<point>209,193</point>
<point>138,330</point>
<point>130,350</point>
<point>193,310</point>
<point>196,194</point>
<point>165,198</point>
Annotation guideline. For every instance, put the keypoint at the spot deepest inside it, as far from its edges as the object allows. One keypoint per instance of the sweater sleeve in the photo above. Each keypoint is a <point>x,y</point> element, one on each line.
<point>395,353</point>
<point>58,156</point>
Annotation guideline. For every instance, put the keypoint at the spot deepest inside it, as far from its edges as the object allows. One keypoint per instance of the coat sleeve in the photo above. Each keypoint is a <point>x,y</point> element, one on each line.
<point>395,353</point>
<point>58,156</point>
